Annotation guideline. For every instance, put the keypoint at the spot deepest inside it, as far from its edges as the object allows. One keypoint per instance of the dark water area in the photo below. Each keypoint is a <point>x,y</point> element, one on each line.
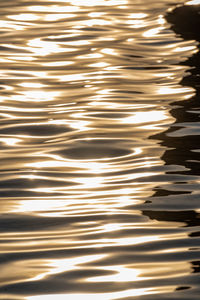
<point>99,150</point>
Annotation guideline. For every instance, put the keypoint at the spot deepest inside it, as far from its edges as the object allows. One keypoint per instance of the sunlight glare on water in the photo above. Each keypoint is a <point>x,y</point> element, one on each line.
<point>193,2</point>
<point>99,182</point>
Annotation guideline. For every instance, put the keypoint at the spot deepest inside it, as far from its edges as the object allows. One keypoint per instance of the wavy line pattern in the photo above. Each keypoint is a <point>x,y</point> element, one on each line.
<point>99,193</point>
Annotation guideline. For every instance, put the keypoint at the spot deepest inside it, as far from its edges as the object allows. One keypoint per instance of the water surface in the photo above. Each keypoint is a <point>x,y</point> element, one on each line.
<point>99,152</point>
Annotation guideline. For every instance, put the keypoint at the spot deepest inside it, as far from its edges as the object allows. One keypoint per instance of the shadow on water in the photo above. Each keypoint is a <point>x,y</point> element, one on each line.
<point>182,138</point>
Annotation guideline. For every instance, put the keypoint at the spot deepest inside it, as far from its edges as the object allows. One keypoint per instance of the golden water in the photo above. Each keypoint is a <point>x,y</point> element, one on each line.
<point>98,195</point>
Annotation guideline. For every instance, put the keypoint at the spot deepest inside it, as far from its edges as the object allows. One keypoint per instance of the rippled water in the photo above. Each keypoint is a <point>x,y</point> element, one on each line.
<point>100,147</point>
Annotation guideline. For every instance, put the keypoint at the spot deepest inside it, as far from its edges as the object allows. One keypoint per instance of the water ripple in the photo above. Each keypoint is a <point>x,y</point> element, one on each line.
<point>99,148</point>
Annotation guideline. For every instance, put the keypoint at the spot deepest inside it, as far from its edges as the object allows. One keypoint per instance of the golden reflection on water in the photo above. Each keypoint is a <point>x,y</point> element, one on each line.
<point>129,293</point>
<point>193,2</point>
<point>85,85</point>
